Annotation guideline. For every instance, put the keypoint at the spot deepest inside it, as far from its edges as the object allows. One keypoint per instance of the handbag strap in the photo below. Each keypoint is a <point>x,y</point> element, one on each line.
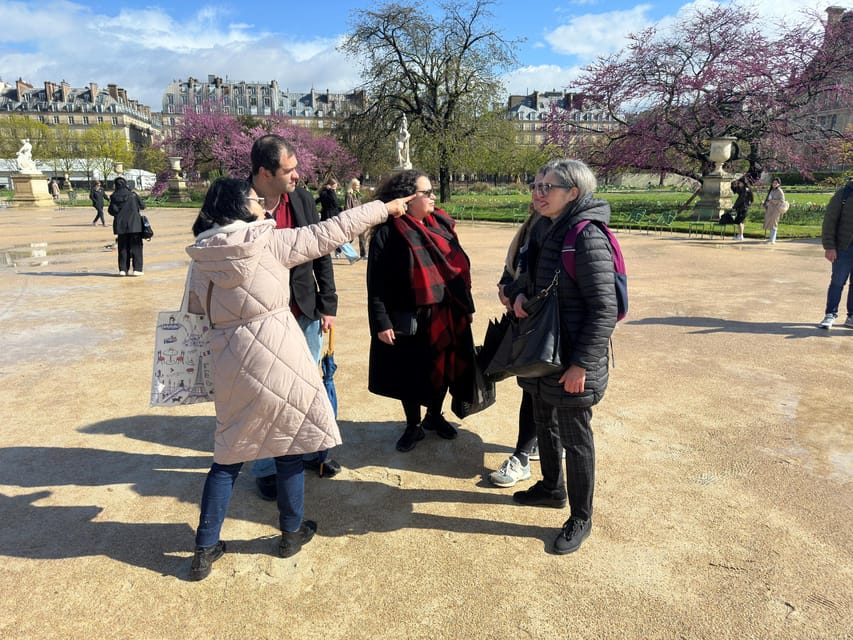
<point>207,304</point>
<point>185,300</point>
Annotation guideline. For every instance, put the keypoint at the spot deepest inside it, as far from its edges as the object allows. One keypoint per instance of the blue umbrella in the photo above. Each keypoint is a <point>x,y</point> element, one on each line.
<point>327,364</point>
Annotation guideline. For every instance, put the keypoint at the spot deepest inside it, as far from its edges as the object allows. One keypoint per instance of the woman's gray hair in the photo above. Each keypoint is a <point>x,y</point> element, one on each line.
<point>573,173</point>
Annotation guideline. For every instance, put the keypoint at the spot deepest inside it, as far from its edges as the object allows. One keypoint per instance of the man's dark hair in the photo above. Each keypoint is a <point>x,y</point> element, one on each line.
<point>399,185</point>
<point>266,152</point>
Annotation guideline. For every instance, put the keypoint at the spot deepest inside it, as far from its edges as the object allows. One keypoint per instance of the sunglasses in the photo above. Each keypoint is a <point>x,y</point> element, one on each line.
<point>429,193</point>
<point>544,188</point>
<point>258,199</point>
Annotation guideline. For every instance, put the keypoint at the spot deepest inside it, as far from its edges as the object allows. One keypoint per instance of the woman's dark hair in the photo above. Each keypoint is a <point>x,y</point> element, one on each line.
<point>399,185</point>
<point>225,202</point>
<point>120,183</point>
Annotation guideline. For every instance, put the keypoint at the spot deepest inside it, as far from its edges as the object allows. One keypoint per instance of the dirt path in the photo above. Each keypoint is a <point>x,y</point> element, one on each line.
<point>723,501</point>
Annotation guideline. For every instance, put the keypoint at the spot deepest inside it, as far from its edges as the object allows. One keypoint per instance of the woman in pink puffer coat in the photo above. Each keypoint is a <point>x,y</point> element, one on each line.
<point>270,400</point>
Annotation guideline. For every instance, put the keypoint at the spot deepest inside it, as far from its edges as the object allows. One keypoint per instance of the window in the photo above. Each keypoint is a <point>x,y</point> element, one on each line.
<point>100,119</point>
<point>85,119</point>
<point>115,121</point>
<point>70,119</point>
<point>55,119</point>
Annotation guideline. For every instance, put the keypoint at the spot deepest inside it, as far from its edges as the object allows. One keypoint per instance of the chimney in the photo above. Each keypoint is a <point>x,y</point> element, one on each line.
<point>93,92</point>
<point>122,95</point>
<point>66,90</point>
<point>21,88</point>
<point>49,90</point>
<point>112,89</point>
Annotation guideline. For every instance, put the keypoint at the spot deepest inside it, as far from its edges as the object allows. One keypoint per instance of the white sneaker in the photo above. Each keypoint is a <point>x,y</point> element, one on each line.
<point>509,473</point>
<point>122,273</point>
<point>137,273</point>
<point>827,321</point>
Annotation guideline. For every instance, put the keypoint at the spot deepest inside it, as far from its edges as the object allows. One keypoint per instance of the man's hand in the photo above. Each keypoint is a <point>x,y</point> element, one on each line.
<point>573,379</point>
<point>830,254</point>
<point>326,322</point>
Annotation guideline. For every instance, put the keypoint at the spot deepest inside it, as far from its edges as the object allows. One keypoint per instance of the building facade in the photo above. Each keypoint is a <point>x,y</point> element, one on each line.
<point>80,108</point>
<point>313,110</point>
<point>528,113</point>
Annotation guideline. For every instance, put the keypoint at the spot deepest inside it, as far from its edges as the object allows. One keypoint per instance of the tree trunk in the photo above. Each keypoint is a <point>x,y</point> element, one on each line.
<point>444,183</point>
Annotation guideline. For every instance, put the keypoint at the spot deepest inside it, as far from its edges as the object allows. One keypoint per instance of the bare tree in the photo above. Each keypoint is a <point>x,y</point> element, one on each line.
<point>442,74</point>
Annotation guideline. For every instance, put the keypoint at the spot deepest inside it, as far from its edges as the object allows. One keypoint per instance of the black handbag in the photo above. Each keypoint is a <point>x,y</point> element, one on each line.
<point>405,323</point>
<point>147,231</point>
<point>531,346</point>
<point>482,393</point>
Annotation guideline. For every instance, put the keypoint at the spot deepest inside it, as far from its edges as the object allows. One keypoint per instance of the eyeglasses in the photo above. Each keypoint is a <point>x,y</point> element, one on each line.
<point>258,199</point>
<point>544,188</point>
<point>429,193</point>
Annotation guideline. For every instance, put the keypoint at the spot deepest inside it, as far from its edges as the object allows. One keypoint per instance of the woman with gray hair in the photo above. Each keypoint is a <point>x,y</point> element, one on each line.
<point>562,402</point>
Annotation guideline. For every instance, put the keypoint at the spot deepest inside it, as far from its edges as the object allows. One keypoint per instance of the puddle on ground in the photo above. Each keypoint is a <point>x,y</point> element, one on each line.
<point>11,257</point>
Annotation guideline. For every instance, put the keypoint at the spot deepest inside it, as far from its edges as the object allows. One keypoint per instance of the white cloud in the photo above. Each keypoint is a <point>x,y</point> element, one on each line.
<point>593,34</point>
<point>547,77</point>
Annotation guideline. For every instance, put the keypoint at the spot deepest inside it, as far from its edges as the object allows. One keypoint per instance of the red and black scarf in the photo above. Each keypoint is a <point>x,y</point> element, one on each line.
<point>441,279</point>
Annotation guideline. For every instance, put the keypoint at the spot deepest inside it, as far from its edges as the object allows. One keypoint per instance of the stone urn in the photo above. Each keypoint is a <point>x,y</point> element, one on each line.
<point>721,151</point>
<point>175,164</point>
<point>118,167</point>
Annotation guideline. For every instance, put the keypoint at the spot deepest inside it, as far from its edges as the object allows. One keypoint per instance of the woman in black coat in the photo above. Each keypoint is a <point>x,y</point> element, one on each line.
<point>328,200</point>
<point>125,206</point>
<point>419,309</point>
<point>562,402</point>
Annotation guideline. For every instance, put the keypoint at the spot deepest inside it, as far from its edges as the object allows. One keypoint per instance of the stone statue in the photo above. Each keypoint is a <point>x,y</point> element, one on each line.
<point>403,136</point>
<point>25,158</point>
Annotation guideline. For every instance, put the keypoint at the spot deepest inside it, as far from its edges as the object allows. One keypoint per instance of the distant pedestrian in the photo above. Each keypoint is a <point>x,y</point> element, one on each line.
<point>54,189</point>
<point>125,206</point>
<point>837,240</point>
<point>97,196</point>
<point>775,207</point>
<point>741,206</point>
<point>352,200</point>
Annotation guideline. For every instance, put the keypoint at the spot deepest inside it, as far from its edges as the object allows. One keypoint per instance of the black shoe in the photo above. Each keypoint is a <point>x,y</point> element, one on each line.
<point>267,487</point>
<point>291,543</point>
<point>410,436</point>
<point>574,532</point>
<point>203,560</point>
<point>327,469</point>
<point>539,496</point>
<point>441,426</point>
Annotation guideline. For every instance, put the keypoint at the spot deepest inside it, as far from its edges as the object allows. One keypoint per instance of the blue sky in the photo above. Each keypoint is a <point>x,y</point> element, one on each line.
<point>145,46</point>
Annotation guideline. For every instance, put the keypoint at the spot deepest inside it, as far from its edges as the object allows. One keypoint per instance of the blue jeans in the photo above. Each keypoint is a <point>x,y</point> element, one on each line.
<point>842,272</point>
<point>314,337</point>
<point>220,484</point>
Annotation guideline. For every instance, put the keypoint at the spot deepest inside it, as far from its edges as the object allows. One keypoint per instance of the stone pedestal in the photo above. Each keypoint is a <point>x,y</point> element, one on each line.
<point>716,197</point>
<point>31,191</point>
<point>178,190</point>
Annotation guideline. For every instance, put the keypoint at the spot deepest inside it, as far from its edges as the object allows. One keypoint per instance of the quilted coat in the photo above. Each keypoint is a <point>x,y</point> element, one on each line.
<point>270,400</point>
<point>587,306</point>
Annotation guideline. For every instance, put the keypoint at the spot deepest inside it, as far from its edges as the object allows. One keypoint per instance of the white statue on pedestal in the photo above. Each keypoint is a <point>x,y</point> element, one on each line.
<point>403,136</point>
<point>25,158</point>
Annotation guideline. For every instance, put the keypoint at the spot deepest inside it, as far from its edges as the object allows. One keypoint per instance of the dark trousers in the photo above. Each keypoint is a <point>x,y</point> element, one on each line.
<point>99,214</point>
<point>412,409</point>
<point>526,425</point>
<point>130,251</point>
<point>568,428</point>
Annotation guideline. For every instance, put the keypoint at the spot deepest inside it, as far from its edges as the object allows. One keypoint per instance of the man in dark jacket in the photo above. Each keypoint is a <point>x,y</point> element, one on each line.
<point>313,298</point>
<point>97,196</point>
<point>562,402</point>
<point>125,206</point>
<point>837,240</point>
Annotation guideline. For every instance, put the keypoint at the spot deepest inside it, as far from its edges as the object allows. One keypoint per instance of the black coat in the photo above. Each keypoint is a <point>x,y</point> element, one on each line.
<point>587,307</point>
<point>312,284</point>
<point>403,370</point>
<point>125,206</point>
<point>97,197</point>
<point>328,201</point>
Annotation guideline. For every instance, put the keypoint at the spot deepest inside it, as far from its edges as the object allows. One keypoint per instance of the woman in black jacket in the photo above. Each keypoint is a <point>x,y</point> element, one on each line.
<point>419,309</point>
<point>562,402</point>
<point>125,206</point>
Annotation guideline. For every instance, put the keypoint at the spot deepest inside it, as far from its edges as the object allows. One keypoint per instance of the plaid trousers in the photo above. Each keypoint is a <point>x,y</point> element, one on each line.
<point>569,428</point>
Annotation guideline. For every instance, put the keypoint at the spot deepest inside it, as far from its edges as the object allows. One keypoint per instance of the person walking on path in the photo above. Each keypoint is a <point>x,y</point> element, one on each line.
<point>125,206</point>
<point>54,189</point>
<point>270,402</point>
<point>837,239</point>
<point>97,196</point>
<point>775,207</point>
<point>562,402</point>
<point>741,206</point>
